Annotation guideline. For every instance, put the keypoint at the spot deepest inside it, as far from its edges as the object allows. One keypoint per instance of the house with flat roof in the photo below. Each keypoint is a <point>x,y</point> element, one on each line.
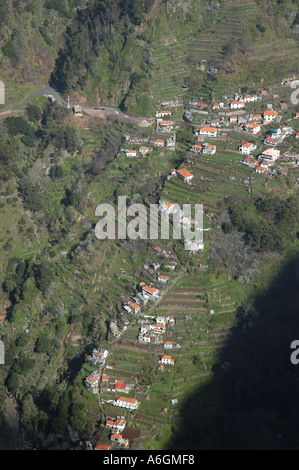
<point>271,155</point>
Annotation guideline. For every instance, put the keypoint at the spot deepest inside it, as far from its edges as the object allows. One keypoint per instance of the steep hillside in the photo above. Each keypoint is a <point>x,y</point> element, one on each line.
<point>178,43</point>
<point>64,292</point>
<point>135,55</point>
<point>31,33</point>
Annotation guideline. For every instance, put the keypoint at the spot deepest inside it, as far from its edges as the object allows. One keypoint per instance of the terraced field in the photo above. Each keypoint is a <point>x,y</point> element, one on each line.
<point>174,56</point>
<point>215,177</point>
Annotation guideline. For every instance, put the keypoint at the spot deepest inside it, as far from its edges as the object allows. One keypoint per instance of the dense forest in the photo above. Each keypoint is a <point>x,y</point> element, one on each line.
<point>96,30</point>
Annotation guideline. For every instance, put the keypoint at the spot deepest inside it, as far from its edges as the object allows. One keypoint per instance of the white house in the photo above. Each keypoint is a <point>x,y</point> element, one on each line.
<point>237,104</point>
<point>160,319</point>
<point>98,356</point>
<point>128,403</point>
<point>159,327</point>
<point>253,127</point>
<point>135,308</point>
<point>159,143</point>
<point>168,208</point>
<point>170,142</point>
<point>252,162</point>
<point>269,116</point>
<point>196,148</point>
<point>171,265</point>
<point>116,424</point>
<point>163,113</point>
<point>269,141</point>
<point>233,119</point>
<point>209,149</point>
<point>271,155</point>
<point>246,147</point>
<point>262,170</point>
<point>193,245</point>
<point>92,382</point>
<point>119,439</point>
<point>131,153</point>
<point>167,360</point>
<point>185,175</point>
<point>162,278</point>
<point>144,150</point>
<point>249,98</point>
<point>207,131</point>
<point>151,292</point>
<point>164,125</point>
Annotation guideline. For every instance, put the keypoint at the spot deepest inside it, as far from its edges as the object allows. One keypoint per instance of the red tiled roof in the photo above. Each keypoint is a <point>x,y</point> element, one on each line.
<point>120,385</point>
<point>270,113</point>
<point>134,305</point>
<point>208,129</point>
<point>149,289</point>
<point>100,446</point>
<point>246,144</point>
<point>184,173</point>
<point>127,400</point>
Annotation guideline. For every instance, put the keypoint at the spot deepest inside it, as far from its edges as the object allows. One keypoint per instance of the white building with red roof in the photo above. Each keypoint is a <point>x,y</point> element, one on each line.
<point>126,402</point>
<point>162,278</point>
<point>165,360</point>
<point>184,174</point>
<point>117,424</point>
<point>207,131</point>
<point>246,147</point>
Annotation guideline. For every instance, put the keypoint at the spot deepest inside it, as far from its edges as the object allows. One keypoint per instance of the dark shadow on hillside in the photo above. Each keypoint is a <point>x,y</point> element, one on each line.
<point>252,400</point>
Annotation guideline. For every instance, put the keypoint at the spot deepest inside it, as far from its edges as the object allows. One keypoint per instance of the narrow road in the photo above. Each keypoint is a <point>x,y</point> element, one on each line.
<point>47,91</point>
<point>102,112</point>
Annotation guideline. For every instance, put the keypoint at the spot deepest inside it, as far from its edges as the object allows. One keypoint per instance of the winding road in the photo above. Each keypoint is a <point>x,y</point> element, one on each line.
<point>102,112</point>
<point>47,91</point>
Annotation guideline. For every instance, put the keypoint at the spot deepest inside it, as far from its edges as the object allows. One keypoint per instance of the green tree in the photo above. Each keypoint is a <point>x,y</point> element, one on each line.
<point>33,112</point>
<point>43,344</point>
<point>43,275</point>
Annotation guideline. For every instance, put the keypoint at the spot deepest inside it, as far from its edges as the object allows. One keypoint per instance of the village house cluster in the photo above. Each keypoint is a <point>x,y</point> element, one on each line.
<point>236,111</point>
<point>97,358</point>
<point>261,133</point>
<point>153,331</point>
<point>252,124</point>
